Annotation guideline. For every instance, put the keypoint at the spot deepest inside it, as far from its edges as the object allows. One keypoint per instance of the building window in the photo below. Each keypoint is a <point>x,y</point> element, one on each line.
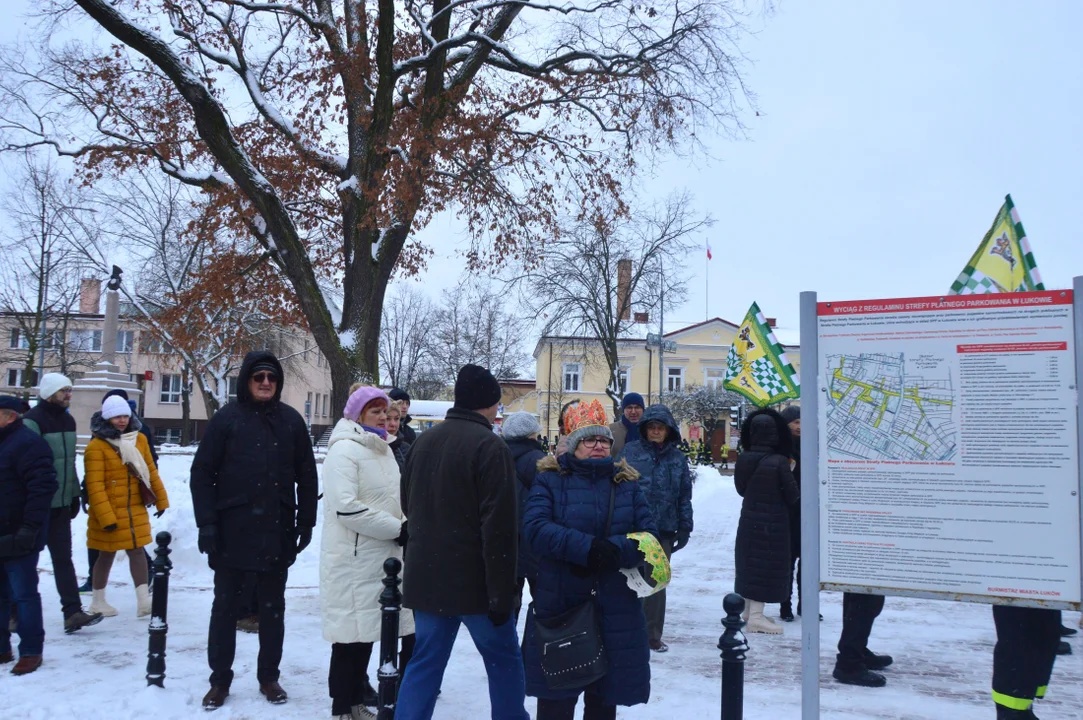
<point>231,388</point>
<point>168,435</point>
<point>326,405</point>
<point>308,406</point>
<point>158,347</point>
<point>714,377</point>
<point>622,381</point>
<point>317,411</point>
<point>18,340</point>
<point>171,390</point>
<point>15,377</point>
<point>674,379</point>
<point>86,340</point>
<point>571,377</point>
<point>125,341</point>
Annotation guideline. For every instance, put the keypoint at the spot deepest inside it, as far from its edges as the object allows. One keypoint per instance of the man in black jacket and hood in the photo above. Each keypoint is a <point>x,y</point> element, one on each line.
<point>407,433</point>
<point>254,493</point>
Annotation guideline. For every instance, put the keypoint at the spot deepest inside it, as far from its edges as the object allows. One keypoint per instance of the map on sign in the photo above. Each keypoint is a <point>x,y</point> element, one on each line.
<point>878,409</point>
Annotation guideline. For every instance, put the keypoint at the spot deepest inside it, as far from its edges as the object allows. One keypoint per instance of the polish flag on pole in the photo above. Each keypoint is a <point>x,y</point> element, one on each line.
<point>708,251</point>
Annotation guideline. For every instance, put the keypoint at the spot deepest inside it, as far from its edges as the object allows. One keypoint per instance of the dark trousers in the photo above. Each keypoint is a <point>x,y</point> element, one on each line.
<point>222,640</point>
<point>348,679</point>
<point>59,544</point>
<point>593,708</point>
<point>1027,641</point>
<point>19,592</point>
<point>654,606</point>
<point>858,614</point>
<point>249,599</point>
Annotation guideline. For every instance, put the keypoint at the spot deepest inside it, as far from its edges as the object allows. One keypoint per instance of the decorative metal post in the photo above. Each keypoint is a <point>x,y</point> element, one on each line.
<point>159,603</point>
<point>733,646</point>
<point>390,607</point>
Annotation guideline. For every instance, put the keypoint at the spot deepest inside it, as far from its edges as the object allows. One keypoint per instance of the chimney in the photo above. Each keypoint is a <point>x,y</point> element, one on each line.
<point>624,282</point>
<point>772,322</point>
<point>90,296</point>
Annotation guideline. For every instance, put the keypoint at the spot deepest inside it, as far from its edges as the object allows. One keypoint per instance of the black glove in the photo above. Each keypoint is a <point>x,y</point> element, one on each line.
<point>159,513</point>
<point>24,539</point>
<point>603,557</point>
<point>304,537</point>
<point>499,618</point>
<point>208,539</point>
<point>404,536</point>
<point>682,540</point>
<point>74,508</point>
<point>110,527</point>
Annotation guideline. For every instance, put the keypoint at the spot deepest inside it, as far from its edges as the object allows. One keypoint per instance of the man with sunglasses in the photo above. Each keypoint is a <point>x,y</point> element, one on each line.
<point>254,493</point>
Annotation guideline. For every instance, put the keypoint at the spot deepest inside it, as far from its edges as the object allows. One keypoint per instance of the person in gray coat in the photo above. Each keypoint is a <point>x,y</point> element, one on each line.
<point>666,480</point>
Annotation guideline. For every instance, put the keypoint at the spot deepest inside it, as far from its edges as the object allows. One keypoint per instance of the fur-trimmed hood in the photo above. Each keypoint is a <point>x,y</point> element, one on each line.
<point>624,471</point>
<point>102,428</point>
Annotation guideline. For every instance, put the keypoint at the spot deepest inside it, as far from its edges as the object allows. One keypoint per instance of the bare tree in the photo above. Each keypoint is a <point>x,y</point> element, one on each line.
<point>579,288</point>
<point>707,405</point>
<point>473,326</point>
<point>331,131</point>
<point>405,348</point>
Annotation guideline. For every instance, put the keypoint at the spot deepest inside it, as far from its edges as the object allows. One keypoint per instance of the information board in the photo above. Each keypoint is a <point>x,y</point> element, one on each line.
<point>948,450</point>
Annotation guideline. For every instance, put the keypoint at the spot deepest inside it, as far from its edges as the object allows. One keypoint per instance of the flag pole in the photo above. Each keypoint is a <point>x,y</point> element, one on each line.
<point>707,291</point>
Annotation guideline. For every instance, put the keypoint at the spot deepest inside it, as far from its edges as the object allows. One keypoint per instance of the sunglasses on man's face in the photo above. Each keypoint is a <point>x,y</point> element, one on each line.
<point>265,377</point>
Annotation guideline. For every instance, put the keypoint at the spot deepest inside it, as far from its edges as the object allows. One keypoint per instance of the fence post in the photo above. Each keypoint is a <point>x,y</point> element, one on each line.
<point>159,607</point>
<point>390,607</point>
<point>733,646</point>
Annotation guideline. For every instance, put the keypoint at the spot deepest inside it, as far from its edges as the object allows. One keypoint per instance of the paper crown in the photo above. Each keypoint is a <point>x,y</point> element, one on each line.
<point>584,415</point>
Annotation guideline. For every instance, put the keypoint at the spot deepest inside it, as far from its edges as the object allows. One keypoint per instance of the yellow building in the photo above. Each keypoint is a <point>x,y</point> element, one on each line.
<point>573,368</point>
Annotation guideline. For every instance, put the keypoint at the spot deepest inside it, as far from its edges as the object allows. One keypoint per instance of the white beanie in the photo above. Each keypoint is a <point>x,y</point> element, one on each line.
<point>115,406</point>
<point>51,384</point>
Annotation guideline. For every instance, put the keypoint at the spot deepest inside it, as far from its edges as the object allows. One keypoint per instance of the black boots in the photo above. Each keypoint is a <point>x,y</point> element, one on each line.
<point>785,612</point>
<point>860,676</point>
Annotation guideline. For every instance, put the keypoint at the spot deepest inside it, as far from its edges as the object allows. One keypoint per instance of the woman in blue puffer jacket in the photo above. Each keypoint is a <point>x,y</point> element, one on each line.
<point>564,520</point>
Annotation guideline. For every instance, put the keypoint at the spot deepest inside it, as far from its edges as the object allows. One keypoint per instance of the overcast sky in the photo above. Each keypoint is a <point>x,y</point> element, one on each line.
<point>889,134</point>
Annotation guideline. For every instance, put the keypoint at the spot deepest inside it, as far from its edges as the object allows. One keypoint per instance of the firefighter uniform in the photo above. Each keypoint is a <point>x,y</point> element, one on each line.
<point>1027,641</point>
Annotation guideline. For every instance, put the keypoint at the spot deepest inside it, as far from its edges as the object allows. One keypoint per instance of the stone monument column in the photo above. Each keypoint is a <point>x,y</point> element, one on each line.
<point>87,393</point>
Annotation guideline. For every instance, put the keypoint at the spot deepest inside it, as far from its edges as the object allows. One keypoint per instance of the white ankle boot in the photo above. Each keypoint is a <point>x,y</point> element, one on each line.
<point>757,623</point>
<point>143,604</point>
<point>99,605</point>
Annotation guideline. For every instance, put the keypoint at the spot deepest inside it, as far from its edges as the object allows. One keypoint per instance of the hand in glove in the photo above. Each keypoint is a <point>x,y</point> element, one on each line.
<point>24,539</point>
<point>603,557</point>
<point>110,527</point>
<point>304,537</point>
<point>74,508</point>
<point>208,539</point>
<point>159,513</point>
<point>682,540</point>
<point>404,536</point>
<point>499,618</point>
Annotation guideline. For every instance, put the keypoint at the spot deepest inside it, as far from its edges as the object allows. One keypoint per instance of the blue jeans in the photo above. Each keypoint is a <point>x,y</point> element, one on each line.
<point>499,648</point>
<point>19,587</point>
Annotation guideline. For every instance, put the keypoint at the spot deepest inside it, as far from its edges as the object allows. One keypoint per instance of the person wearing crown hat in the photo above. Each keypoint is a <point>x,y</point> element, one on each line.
<point>458,491</point>
<point>580,551</point>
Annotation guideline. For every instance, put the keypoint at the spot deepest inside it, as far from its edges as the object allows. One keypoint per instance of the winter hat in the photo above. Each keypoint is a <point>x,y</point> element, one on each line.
<point>632,398</point>
<point>51,384</point>
<point>264,366</point>
<point>583,421</point>
<point>117,391</point>
<point>399,394</point>
<point>15,404</point>
<point>476,388</point>
<point>520,425</point>
<point>115,407</point>
<point>360,398</point>
<point>791,413</point>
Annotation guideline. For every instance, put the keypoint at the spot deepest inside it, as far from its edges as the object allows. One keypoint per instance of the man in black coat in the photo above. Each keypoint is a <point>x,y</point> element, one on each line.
<point>406,433</point>
<point>458,490</point>
<point>27,485</point>
<point>254,493</point>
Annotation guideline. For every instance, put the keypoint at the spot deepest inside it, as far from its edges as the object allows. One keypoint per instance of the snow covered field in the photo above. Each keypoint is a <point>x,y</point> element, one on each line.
<point>943,651</point>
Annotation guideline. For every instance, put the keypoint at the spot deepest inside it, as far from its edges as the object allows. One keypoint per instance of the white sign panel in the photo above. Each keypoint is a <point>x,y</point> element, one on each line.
<point>948,449</point>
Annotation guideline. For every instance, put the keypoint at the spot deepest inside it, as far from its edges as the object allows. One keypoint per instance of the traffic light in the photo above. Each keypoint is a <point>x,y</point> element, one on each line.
<point>735,415</point>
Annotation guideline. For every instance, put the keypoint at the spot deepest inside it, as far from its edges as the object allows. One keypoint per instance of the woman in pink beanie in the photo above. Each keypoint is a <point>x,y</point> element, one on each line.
<point>363,526</point>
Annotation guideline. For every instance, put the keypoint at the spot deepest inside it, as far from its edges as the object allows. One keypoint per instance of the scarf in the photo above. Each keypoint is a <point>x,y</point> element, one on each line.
<point>376,431</point>
<point>633,428</point>
<point>130,455</point>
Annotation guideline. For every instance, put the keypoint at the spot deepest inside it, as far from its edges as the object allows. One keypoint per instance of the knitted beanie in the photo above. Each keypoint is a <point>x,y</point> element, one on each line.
<point>476,388</point>
<point>360,398</point>
<point>520,425</point>
<point>632,398</point>
<point>115,406</point>
<point>51,384</point>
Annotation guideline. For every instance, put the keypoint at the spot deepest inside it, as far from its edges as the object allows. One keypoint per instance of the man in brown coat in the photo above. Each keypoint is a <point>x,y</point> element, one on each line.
<point>631,406</point>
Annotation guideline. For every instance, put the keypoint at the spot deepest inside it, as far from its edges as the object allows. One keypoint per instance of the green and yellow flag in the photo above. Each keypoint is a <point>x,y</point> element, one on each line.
<point>1003,262</point>
<point>757,366</point>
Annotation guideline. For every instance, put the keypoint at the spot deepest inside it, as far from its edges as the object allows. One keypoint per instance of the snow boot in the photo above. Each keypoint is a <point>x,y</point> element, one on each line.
<point>1064,648</point>
<point>80,620</point>
<point>1067,631</point>
<point>369,696</point>
<point>1007,713</point>
<point>360,712</point>
<point>785,612</point>
<point>85,587</point>
<point>861,676</point>
<point>274,693</point>
<point>26,665</point>
<point>757,623</point>
<point>877,662</point>
<point>215,697</point>
<point>100,606</point>
<point>143,604</point>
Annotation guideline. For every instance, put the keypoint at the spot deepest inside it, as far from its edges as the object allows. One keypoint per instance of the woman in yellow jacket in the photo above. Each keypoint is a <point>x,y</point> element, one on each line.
<point>117,462</point>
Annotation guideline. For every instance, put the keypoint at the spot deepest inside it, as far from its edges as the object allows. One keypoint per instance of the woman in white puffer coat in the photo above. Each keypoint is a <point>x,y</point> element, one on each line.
<point>363,526</point>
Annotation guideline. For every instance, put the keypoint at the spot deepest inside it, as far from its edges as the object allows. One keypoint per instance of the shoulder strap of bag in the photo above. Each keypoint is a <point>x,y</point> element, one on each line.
<point>612,502</point>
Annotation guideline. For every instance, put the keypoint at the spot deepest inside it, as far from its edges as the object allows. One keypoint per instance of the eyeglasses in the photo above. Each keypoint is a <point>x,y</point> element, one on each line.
<point>593,442</point>
<point>265,377</point>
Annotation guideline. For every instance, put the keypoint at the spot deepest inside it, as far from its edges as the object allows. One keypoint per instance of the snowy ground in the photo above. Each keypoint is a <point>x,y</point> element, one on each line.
<point>943,651</point>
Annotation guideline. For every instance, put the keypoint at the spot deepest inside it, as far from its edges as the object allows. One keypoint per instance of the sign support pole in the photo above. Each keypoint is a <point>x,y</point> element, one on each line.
<point>810,509</point>
<point>1077,307</point>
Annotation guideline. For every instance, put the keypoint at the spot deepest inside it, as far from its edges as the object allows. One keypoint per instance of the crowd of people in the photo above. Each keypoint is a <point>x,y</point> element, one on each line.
<point>475,517</point>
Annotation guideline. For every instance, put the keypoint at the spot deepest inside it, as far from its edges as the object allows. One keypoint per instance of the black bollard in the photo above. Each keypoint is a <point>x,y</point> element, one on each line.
<point>159,605</point>
<point>733,646</point>
<point>390,607</point>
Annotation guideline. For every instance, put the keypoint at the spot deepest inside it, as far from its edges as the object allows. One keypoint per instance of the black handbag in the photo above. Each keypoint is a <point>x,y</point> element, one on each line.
<point>572,652</point>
